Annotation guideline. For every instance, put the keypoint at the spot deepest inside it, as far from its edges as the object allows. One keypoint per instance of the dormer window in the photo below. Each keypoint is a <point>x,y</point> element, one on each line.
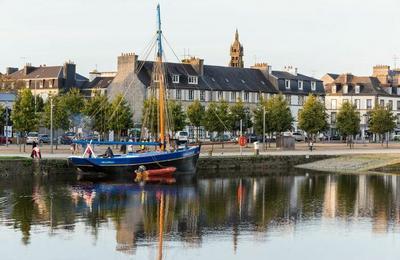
<point>287,83</point>
<point>243,81</point>
<point>193,80</point>
<point>345,89</point>
<point>313,86</point>
<point>300,85</point>
<point>357,89</point>
<point>175,78</point>
<point>334,88</point>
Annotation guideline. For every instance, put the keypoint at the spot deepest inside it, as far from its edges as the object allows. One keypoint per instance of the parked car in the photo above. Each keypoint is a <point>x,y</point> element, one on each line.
<point>64,140</point>
<point>3,140</point>
<point>182,136</point>
<point>396,137</point>
<point>44,139</point>
<point>70,135</point>
<point>32,137</point>
<point>251,138</point>
<point>299,137</point>
<point>91,137</point>
<point>220,138</point>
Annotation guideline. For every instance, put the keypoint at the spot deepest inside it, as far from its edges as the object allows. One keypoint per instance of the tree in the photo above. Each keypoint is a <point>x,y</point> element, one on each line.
<point>150,116</point>
<point>98,110</point>
<point>278,112</point>
<point>240,112</point>
<point>74,104</point>
<point>177,116</point>
<point>121,115</point>
<point>348,121</point>
<point>381,121</point>
<point>2,115</point>
<point>73,101</point>
<point>60,115</point>
<point>24,117</point>
<point>195,113</point>
<point>217,117</point>
<point>313,118</point>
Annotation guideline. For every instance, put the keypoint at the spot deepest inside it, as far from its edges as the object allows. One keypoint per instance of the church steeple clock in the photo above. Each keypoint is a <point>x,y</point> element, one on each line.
<point>236,53</point>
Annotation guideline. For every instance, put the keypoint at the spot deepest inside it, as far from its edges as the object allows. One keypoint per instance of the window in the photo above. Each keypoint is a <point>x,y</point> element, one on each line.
<point>313,85</point>
<point>334,89</point>
<point>345,89</point>
<point>191,94</point>
<point>300,85</point>
<point>243,81</point>
<point>257,97</point>
<point>333,118</point>
<point>210,96</point>
<point>193,80</point>
<point>345,100</point>
<point>333,104</point>
<point>357,90</point>
<point>357,103</point>
<point>390,104</point>
<point>202,95</point>
<point>369,103</point>
<point>175,78</point>
<point>301,100</point>
<point>398,118</point>
<point>41,83</point>
<point>287,83</point>
<point>213,79</point>
<point>50,83</point>
<point>246,96</point>
<point>220,95</point>
<point>262,82</point>
<point>288,99</point>
<point>382,102</point>
<point>233,96</point>
<point>178,94</point>
<point>27,83</point>
<point>156,77</point>
<point>227,80</point>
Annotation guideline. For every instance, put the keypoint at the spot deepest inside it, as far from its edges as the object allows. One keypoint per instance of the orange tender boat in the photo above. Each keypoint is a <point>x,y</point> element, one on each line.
<point>155,175</point>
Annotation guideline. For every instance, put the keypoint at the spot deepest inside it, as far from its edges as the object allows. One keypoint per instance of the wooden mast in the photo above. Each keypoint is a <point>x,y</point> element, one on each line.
<point>161,90</point>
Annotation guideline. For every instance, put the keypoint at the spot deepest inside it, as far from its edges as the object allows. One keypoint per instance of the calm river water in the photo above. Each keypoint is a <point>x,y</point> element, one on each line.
<point>301,216</point>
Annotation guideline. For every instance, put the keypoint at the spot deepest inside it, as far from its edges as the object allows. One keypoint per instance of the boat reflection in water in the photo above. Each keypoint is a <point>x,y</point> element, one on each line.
<point>184,219</point>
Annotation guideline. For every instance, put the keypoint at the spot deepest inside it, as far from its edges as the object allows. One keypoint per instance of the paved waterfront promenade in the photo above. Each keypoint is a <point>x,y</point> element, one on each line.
<point>63,151</point>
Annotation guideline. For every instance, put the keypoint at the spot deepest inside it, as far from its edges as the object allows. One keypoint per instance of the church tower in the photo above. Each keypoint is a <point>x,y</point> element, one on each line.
<point>236,53</point>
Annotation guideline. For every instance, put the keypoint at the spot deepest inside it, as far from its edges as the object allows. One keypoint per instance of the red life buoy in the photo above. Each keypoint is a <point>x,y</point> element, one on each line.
<point>242,141</point>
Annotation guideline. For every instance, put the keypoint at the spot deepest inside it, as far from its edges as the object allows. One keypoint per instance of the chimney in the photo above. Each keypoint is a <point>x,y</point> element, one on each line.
<point>263,67</point>
<point>197,64</point>
<point>11,70</point>
<point>69,73</point>
<point>291,70</point>
<point>28,69</point>
<point>127,62</point>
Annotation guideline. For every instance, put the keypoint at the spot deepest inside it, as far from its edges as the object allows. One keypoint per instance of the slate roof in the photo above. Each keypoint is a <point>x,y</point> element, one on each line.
<point>100,82</point>
<point>39,72</point>
<point>368,85</point>
<point>217,78</point>
<point>332,75</point>
<point>281,76</point>
<point>44,72</point>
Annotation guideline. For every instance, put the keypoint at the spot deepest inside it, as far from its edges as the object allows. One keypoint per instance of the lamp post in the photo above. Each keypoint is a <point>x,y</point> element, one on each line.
<point>264,128</point>
<point>51,124</point>
<point>6,130</point>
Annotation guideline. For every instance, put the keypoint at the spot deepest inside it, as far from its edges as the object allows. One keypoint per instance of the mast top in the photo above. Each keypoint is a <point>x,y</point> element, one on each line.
<point>159,32</point>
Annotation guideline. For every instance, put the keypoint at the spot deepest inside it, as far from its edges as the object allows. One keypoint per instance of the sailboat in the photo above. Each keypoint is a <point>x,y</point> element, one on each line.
<point>184,159</point>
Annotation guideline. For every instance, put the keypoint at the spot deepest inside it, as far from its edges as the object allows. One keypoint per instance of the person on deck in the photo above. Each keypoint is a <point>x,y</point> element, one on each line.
<point>109,153</point>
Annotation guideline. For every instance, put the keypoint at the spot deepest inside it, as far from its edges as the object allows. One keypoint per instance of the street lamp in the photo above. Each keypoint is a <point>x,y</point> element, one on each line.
<point>51,124</point>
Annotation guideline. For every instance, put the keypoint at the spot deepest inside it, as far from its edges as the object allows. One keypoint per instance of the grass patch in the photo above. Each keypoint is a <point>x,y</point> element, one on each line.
<point>9,158</point>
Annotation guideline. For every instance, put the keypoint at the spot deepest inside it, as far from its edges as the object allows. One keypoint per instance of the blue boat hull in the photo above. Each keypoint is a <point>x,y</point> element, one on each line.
<point>185,160</point>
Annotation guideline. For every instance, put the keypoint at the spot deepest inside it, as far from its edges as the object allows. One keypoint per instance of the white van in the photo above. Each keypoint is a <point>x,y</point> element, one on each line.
<point>182,136</point>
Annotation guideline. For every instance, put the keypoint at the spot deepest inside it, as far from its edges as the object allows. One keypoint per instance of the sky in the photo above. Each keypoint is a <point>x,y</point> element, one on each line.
<point>317,36</point>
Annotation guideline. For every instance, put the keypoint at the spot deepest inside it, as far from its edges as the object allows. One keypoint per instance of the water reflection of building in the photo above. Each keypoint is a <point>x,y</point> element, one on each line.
<point>330,197</point>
